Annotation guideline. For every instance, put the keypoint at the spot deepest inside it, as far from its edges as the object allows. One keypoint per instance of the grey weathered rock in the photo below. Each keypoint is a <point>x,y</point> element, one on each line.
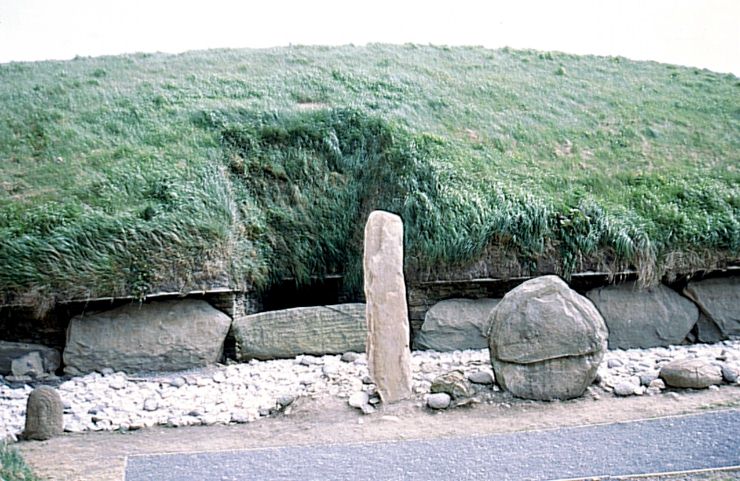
<point>9,351</point>
<point>388,353</point>
<point>439,400</point>
<point>691,373</point>
<point>157,336</point>
<point>546,341</point>
<point>358,399</point>
<point>453,383</point>
<point>647,377</point>
<point>44,418</point>
<point>481,377</point>
<point>625,388</point>
<point>315,330</point>
<point>29,365</point>
<point>648,317</point>
<point>719,301</point>
<point>657,384</point>
<point>728,373</point>
<point>150,404</point>
<point>351,356</point>
<point>456,324</point>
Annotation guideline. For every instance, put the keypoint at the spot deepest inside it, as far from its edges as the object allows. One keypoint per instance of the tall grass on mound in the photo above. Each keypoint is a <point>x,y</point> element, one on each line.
<point>177,235</point>
<point>306,182</point>
<point>12,465</point>
<point>133,174</point>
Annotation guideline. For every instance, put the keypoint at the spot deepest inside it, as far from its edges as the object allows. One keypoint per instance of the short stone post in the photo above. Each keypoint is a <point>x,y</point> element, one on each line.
<point>44,414</point>
<point>388,353</point>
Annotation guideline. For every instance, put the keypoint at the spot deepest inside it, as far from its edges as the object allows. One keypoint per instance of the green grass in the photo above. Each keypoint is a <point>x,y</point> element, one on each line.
<point>12,465</point>
<point>132,174</point>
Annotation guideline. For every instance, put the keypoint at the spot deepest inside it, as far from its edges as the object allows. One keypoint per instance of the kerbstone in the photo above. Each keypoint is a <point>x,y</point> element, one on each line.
<point>456,324</point>
<point>644,317</point>
<point>316,330</point>
<point>157,336</point>
<point>719,300</point>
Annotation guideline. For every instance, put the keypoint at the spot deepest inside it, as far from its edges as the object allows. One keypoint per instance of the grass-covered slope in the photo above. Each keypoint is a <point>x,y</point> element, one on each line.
<point>124,175</point>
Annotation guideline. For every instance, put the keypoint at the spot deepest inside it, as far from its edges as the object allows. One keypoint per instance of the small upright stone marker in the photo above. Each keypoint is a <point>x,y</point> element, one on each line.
<point>44,414</point>
<point>388,353</point>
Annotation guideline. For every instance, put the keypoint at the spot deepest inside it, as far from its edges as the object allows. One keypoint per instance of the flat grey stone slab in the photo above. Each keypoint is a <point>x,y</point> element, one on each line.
<point>701,441</point>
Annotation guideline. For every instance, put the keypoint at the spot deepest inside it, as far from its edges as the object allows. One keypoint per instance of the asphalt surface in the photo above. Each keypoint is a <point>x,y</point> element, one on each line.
<point>710,440</point>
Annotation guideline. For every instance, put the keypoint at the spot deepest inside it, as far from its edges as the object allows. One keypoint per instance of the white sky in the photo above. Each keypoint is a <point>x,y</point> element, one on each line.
<point>701,33</point>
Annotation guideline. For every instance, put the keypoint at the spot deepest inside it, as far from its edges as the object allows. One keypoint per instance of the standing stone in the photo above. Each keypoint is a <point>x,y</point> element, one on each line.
<point>388,353</point>
<point>644,317</point>
<point>44,414</point>
<point>456,324</point>
<point>546,340</point>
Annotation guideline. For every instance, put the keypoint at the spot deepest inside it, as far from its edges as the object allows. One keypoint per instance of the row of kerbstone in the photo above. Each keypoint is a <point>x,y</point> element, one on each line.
<point>189,333</point>
<point>636,317</point>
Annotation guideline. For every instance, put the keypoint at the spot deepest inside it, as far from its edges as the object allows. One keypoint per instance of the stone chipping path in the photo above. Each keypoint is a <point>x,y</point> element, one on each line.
<point>242,393</point>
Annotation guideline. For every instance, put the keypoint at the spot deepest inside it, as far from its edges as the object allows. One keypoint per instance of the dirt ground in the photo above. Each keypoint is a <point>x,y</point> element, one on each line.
<point>102,456</point>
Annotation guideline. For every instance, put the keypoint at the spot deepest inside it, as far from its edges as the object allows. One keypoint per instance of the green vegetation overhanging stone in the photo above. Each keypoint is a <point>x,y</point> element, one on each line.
<point>238,168</point>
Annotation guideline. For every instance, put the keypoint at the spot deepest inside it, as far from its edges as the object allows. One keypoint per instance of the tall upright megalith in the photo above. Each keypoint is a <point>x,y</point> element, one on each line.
<point>388,353</point>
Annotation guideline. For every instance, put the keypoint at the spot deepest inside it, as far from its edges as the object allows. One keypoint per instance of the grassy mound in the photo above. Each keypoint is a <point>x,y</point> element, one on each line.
<point>133,174</point>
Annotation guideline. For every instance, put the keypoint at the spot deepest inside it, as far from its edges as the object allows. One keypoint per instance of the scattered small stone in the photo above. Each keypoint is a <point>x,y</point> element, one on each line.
<point>330,370</point>
<point>612,363</point>
<point>309,361</point>
<point>453,383</point>
<point>647,377</point>
<point>367,380</point>
<point>729,374</point>
<point>286,400</point>
<point>624,388</point>
<point>481,377</point>
<point>178,382</point>
<point>713,387</point>
<point>117,382</point>
<point>657,384</point>
<point>151,404</point>
<point>358,399</point>
<point>367,409</point>
<point>107,371</point>
<point>90,403</point>
<point>349,357</point>
<point>219,377</point>
<point>440,400</point>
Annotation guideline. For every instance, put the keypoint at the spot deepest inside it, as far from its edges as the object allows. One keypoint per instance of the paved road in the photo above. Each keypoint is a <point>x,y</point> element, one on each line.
<point>709,440</point>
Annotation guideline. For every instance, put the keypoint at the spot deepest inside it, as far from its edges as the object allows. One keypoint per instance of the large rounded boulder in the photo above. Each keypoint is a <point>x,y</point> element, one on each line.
<point>546,340</point>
